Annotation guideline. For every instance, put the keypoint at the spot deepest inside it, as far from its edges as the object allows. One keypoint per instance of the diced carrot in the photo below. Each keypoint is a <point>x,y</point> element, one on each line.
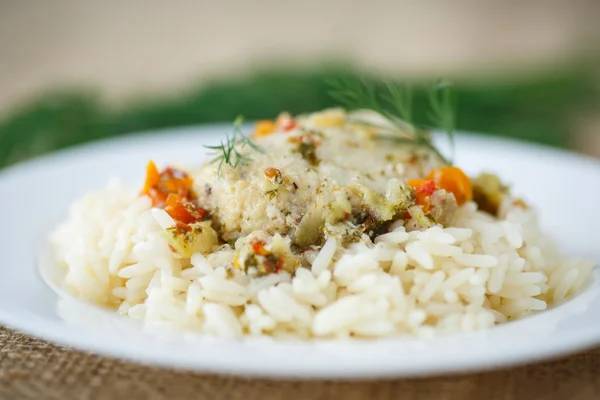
<point>174,185</point>
<point>182,210</point>
<point>423,190</point>
<point>453,180</point>
<point>422,186</point>
<point>158,185</point>
<point>173,200</point>
<point>264,128</point>
<point>171,189</point>
<point>181,214</point>
<point>152,177</point>
<point>271,173</point>
<point>259,248</point>
<point>158,198</point>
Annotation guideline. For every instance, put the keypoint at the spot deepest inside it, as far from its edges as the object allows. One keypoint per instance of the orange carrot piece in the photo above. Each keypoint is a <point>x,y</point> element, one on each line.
<point>264,128</point>
<point>453,180</point>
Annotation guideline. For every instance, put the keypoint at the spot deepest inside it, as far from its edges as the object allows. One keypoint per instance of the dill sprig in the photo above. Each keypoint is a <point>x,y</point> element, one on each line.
<point>396,105</point>
<point>229,151</point>
<point>442,113</point>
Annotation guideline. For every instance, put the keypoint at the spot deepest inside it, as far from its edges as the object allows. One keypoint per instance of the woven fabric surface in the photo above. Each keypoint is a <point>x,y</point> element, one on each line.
<point>32,369</point>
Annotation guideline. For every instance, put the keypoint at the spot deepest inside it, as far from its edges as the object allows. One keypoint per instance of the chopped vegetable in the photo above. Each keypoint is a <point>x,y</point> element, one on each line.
<point>186,240</point>
<point>307,147</point>
<point>489,192</point>
<point>273,174</point>
<point>152,177</point>
<point>171,189</point>
<point>285,122</point>
<point>259,248</point>
<point>259,254</point>
<point>443,207</point>
<point>453,180</point>
<point>175,181</point>
<point>310,228</point>
<point>159,185</point>
<point>264,128</point>
<point>418,218</point>
<point>309,152</point>
<point>183,210</point>
<point>422,186</point>
<point>423,191</point>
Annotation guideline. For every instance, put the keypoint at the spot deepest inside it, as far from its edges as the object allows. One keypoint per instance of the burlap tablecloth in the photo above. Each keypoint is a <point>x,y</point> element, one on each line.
<point>31,369</point>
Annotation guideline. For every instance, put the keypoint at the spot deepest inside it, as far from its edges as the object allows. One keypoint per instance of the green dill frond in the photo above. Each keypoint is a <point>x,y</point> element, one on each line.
<point>396,105</point>
<point>229,151</point>
<point>353,93</point>
<point>400,98</point>
<point>442,113</point>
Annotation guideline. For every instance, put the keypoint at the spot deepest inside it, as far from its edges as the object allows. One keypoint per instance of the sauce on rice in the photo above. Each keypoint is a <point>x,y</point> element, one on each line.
<point>307,179</point>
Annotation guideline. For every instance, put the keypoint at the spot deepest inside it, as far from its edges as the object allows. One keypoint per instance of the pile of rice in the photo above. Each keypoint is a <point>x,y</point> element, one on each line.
<point>480,272</point>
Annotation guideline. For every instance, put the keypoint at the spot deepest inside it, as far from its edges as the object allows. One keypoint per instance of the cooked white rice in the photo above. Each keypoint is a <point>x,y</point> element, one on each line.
<point>480,272</point>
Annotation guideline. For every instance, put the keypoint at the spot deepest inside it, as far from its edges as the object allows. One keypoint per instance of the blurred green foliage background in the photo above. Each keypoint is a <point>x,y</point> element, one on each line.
<point>538,108</point>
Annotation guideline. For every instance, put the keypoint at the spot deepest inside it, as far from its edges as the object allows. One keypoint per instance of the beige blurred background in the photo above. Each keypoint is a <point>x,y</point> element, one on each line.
<point>130,47</point>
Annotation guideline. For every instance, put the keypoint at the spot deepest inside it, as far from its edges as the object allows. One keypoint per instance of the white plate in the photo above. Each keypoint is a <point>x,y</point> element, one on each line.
<point>34,197</point>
